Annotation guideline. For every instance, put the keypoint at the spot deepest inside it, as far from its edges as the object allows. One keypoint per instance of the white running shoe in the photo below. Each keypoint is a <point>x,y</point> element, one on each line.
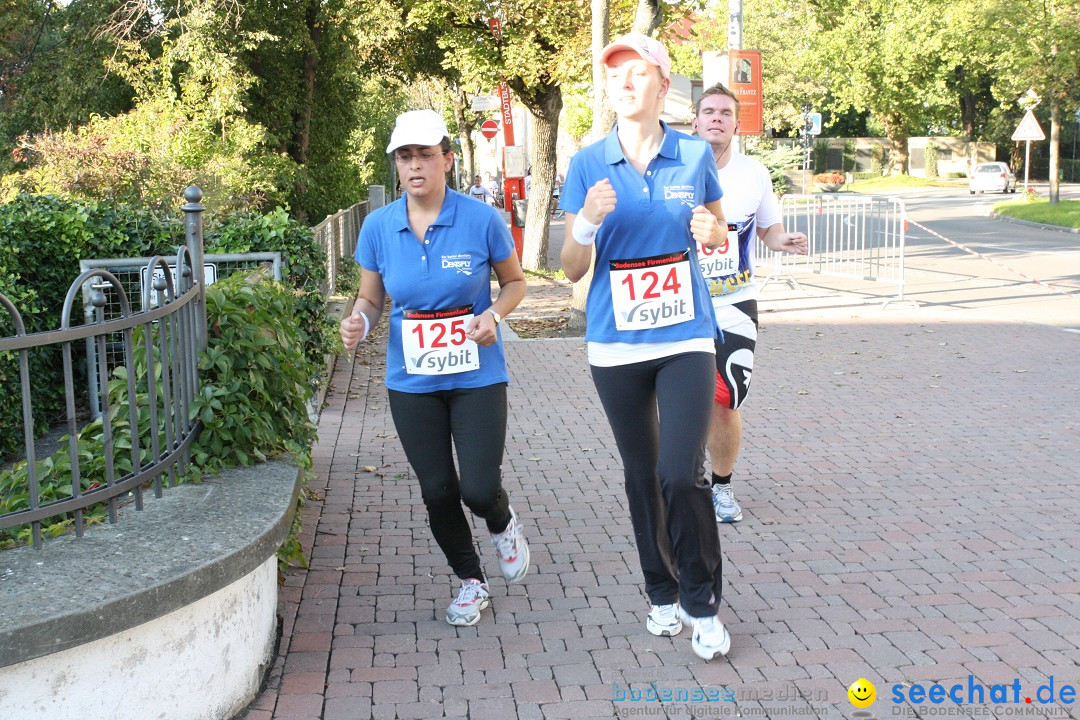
<point>664,620</point>
<point>512,550</point>
<point>471,599</point>
<point>710,638</point>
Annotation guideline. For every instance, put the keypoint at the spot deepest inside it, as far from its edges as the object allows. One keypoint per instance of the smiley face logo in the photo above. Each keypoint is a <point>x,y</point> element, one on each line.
<point>862,693</point>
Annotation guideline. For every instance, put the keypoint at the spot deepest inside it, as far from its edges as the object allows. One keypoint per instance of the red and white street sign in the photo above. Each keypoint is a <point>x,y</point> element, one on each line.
<point>489,128</point>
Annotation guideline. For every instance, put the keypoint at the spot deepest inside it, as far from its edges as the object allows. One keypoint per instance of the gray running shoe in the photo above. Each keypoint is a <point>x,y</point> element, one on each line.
<point>471,599</point>
<point>723,500</point>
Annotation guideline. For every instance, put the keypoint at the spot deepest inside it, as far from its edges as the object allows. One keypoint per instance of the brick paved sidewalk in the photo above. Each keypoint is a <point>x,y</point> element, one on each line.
<point>911,504</point>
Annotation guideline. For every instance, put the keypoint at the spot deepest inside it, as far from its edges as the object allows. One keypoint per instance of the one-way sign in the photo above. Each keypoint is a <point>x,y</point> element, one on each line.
<point>1029,129</point>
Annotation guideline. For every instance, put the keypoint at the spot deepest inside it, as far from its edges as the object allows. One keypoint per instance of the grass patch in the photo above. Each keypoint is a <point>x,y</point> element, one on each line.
<point>896,182</point>
<point>1066,213</point>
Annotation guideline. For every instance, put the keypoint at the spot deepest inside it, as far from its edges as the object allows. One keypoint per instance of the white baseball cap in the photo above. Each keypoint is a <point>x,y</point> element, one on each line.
<point>417,127</point>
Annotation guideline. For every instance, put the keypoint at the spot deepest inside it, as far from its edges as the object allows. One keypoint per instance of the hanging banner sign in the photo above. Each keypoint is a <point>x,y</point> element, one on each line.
<point>744,79</point>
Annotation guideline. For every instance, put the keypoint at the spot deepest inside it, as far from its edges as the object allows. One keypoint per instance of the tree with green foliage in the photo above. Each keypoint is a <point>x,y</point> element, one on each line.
<point>865,54</point>
<point>535,52</point>
<point>53,70</point>
<point>1042,52</point>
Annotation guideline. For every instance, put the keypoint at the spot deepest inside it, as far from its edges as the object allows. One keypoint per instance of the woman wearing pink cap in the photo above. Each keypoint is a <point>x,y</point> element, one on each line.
<point>642,198</point>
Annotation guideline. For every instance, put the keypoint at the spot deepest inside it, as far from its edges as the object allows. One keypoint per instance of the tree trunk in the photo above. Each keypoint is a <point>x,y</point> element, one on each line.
<point>466,123</point>
<point>967,104</point>
<point>603,119</point>
<point>898,140</point>
<point>1055,148</point>
<point>302,136</point>
<point>538,218</point>
<point>647,16</point>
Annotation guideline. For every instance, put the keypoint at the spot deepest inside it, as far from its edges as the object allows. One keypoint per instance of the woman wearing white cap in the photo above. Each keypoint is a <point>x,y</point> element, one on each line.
<point>642,198</point>
<point>433,251</point>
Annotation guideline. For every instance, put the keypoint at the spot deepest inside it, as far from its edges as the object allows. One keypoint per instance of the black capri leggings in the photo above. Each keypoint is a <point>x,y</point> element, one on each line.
<point>659,411</point>
<point>472,420</point>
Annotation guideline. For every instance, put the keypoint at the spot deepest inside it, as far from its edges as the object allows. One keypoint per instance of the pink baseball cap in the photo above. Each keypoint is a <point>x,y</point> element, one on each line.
<point>650,50</point>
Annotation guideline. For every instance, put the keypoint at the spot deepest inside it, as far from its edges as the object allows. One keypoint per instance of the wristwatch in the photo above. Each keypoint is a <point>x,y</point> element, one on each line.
<point>497,316</point>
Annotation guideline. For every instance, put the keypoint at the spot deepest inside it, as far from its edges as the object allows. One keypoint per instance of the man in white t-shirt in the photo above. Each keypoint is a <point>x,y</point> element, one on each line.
<point>751,208</point>
<point>479,192</point>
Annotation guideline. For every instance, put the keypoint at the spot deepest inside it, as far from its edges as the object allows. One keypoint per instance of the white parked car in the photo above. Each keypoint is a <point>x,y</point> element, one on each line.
<point>992,177</point>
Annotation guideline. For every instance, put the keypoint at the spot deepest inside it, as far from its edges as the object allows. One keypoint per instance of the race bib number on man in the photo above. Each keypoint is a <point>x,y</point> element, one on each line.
<point>652,292</point>
<point>434,341</point>
<point>721,261</point>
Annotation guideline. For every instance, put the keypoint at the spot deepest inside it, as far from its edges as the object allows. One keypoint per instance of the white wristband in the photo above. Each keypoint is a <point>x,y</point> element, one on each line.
<point>584,232</point>
<point>367,327</point>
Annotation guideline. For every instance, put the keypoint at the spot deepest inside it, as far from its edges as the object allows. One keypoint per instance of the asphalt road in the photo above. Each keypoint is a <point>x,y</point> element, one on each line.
<point>1021,272</point>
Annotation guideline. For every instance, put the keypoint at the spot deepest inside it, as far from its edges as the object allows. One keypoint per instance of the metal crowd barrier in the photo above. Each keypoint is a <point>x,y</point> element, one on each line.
<point>858,236</point>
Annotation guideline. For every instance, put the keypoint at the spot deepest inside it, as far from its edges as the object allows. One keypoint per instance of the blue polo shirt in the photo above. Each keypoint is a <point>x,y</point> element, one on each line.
<point>651,219</point>
<point>451,269</point>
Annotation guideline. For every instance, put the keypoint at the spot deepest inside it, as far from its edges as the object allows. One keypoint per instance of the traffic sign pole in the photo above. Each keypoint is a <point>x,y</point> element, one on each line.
<point>513,188</point>
<point>1028,130</point>
<point>1027,164</point>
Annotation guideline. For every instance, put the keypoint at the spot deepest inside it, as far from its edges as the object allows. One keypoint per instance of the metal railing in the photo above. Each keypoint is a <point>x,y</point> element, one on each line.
<point>337,235</point>
<point>172,335</point>
<point>857,236</point>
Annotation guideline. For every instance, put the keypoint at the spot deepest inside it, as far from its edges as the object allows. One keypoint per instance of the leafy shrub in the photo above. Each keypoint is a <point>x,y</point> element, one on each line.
<point>255,387</point>
<point>821,154</point>
<point>877,160</point>
<point>256,380</point>
<point>303,267</point>
<point>776,160</point>
<point>848,160</point>
<point>149,155</point>
<point>42,238</point>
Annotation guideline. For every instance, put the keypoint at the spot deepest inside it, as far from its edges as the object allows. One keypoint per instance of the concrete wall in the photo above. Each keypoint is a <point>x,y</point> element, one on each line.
<point>169,614</point>
<point>204,661</point>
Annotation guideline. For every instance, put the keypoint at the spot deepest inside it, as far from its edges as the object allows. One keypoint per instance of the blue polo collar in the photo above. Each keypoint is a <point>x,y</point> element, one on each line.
<point>669,146</point>
<point>400,216</point>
